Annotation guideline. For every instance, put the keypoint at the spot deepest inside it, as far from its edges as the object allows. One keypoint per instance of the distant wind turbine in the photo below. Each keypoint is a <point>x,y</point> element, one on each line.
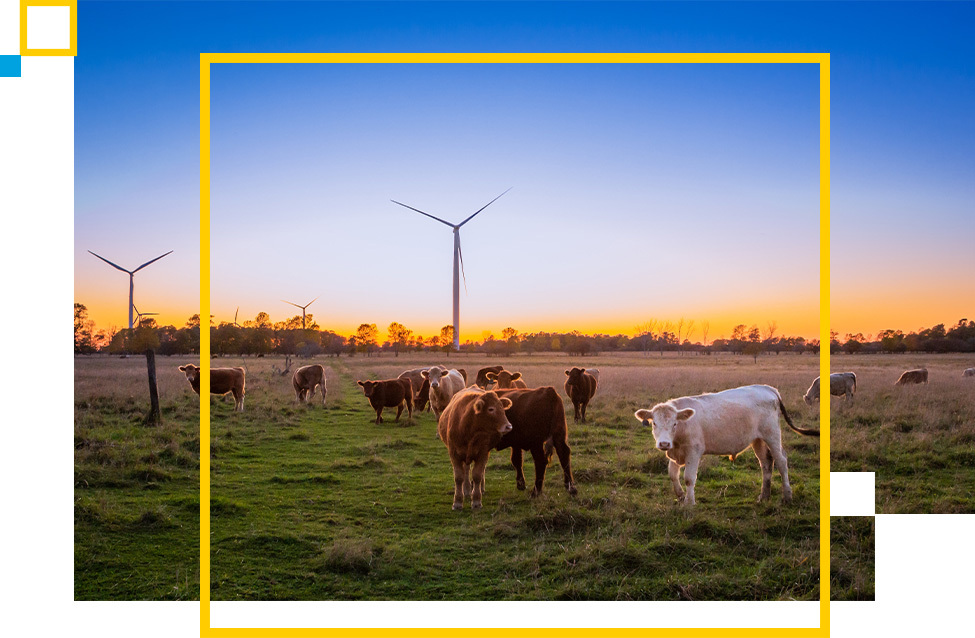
<point>458,260</point>
<point>131,279</point>
<point>140,315</point>
<point>302,309</point>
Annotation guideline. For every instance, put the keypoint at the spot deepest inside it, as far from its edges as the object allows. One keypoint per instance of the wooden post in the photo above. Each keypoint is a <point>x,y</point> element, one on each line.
<point>153,418</point>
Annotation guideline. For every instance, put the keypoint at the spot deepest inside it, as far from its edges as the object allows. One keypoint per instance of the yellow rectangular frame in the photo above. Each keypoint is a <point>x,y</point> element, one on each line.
<point>821,59</point>
<point>72,5</point>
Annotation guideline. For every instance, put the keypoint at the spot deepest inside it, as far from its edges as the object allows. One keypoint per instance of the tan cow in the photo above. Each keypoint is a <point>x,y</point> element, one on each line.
<point>840,383</point>
<point>918,375</point>
<point>306,379</point>
<point>506,380</point>
<point>222,381</point>
<point>444,384</point>
<point>724,423</point>
<point>969,372</point>
<point>471,426</point>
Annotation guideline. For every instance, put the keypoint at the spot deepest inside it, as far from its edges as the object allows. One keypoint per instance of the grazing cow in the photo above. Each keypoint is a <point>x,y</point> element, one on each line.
<point>919,375</point>
<point>421,387</point>
<point>391,393</point>
<point>444,384</point>
<point>538,425</point>
<point>724,423</point>
<point>305,379</point>
<point>580,388</point>
<point>471,426</point>
<point>840,383</point>
<point>222,381</point>
<point>969,372</point>
<point>482,381</point>
<point>507,380</point>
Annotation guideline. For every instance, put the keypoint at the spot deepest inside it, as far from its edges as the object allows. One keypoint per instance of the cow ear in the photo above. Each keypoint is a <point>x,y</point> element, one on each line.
<point>361,383</point>
<point>506,403</point>
<point>683,415</point>
<point>643,415</point>
<point>182,368</point>
<point>516,376</point>
<point>478,406</point>
<point>566,373</point>
<point>425,374</point>
<point>491,376</point>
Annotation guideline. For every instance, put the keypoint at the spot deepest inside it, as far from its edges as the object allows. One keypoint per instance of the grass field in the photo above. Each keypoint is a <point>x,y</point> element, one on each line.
<point>852,557</point>
<point>320,503</point>
<point>919,440</point>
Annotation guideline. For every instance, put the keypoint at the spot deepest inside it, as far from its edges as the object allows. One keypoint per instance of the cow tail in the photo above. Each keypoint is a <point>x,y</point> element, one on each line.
<point>802,431</point>
<point>854,382</point>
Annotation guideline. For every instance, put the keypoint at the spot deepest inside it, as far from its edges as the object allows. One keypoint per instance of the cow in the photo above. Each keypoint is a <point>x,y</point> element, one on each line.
<point>538,425</point>
<point>919,375</point>
<point>580,388</point>
<point>840,383</point>
<point>421,387</point>
<point>391,393</point>
<point>482,381</point>
<point>444,384</point>
<point>471,426</point>
<point>506,380</point>
<point>222,381</point>
<point>305,379</point>
<point>969,372</point>
<point>724,423</point>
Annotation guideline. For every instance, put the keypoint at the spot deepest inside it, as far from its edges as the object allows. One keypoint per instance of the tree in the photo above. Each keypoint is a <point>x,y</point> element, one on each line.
<point>447,338</point>
<point>84,330</point>
<point>705,328</point>
<point>366,338</point>
<point>645,335</point>
<point>399,336</point>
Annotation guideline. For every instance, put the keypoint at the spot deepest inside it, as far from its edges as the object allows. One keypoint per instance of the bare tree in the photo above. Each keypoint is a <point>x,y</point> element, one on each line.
<point>705,328</point>
<point>769,333</point>
<point>645,331</point>
<point>666,331</point>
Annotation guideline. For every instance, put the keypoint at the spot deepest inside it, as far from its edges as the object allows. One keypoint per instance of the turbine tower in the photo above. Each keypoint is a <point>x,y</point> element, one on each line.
<point>458,260</point>
<point>297,306</point>
<point>131,279</point>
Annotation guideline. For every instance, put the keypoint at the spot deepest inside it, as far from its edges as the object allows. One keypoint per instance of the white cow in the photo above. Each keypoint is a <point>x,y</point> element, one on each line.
<point>969,372</point>
<point>725,423</point>
<point>444,384</point>
<point>840,383</point>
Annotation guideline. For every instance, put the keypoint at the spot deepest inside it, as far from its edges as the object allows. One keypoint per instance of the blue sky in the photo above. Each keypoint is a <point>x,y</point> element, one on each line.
<point>653,191</point>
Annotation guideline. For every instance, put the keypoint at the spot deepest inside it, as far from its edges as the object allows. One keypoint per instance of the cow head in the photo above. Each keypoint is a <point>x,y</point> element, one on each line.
<point>434,375</point>
<point>489,412</point>
<point>191,371</point>
<point>664,418</point>
<point>575,375</point>
<point>505,378</point>
<point>368,387</point>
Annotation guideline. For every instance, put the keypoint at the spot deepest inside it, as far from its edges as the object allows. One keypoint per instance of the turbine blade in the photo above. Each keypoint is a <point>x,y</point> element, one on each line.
<point>111,264</point>
<point>293,304</point>
<point>460,253</point>
<point>482,208</point>
<point>310,302</point>
<point>235,315</point>
<point>149,262</point>
<point>422,213</point>
<point>137,313</point>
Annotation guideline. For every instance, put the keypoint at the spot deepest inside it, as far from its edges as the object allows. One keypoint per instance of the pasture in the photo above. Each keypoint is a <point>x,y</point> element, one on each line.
<point>314,503</point>
<point>918,439</point>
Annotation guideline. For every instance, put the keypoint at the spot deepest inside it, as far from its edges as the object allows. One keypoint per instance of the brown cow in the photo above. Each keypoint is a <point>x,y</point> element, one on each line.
<point>471,426</point>
<point>222,381</point>
<point>580,388</point>
<point>920,375</point>
<point>481,379</point>
<point>391,393</point>
<point>507,380</point>
<point>305,379</point>
<point>538,424</point>
<point>421,387</point>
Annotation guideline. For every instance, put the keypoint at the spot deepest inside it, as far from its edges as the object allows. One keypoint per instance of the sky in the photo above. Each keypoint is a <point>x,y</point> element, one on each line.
<point>638,192</point>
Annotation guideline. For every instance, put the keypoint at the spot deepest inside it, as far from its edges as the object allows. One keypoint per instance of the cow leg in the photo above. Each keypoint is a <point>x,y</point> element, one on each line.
<point>538,456</point>
<point>461,487</point>
<point>778,454</point>
<point>379,416</point>
<point>584,406</point>
<point>517,461</point>
<point>690,476</point>
<point>674,471</point>
<point>765,460</point>
<point>399,411</point>
<point>477,476</point>
<point>409,406</point>
<point>562,449</point>
<point>324,391</point>
<point>238,401</point>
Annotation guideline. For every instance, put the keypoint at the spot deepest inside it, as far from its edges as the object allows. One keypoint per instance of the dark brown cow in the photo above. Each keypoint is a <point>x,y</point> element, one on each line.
<point>391,393</point>
<point>507,380</point>
<point>421,387</point>
<point>471,426</point>
<point>538,424</point>
<point>305,379</point>
<point>482,381</point>
<point>920,375</point>
<point>580,388</point>
<point>222,381</point>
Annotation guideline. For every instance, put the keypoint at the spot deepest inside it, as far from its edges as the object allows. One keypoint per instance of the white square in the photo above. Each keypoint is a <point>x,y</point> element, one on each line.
<point>48,27</point>
<point>852,494</point>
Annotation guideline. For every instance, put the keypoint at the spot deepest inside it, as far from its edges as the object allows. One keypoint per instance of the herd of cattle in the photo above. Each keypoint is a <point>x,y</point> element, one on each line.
<point>499,411</point>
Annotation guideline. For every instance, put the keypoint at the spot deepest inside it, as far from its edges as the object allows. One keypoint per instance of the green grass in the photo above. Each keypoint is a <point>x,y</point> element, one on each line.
<point>852,556</point>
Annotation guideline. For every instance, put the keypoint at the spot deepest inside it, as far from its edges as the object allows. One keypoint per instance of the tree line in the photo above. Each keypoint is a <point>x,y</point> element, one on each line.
<point>260,336</point>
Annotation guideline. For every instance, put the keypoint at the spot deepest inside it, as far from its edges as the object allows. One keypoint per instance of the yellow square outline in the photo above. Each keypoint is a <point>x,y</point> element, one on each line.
<point>72,5</point>
<point>821,59</point>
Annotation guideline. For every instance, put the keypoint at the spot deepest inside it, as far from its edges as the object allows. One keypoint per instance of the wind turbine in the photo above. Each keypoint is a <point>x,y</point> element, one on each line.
<point>140,315</point>
<point>131,278</point>
<point>302,309</point>
<point>458,260</point>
